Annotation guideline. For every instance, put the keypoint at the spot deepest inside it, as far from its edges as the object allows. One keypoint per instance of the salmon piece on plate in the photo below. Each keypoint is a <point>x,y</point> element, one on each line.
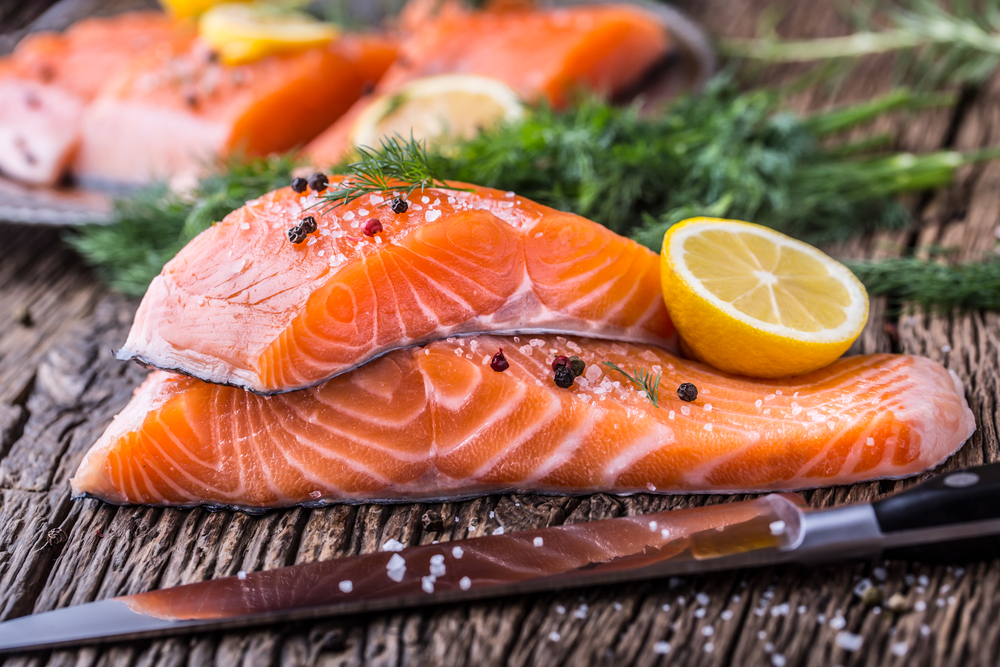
<point>166,117</point>
<point>439,423</point>
<point>542,54</point>
<point>242,305</point>
<point>51,77</point>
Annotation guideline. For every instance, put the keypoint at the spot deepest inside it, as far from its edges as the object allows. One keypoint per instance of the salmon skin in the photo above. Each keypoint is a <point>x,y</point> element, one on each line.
<point>438,423</point>
<point>242,305</point>
<point>50,78</point>
<point>542,54</point>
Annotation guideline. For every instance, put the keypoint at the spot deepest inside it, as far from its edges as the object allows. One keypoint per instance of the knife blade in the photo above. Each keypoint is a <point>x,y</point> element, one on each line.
<point>956,515</point>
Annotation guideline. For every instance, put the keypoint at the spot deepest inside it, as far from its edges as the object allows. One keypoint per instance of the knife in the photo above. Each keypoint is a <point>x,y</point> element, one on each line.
<point>952,517</point>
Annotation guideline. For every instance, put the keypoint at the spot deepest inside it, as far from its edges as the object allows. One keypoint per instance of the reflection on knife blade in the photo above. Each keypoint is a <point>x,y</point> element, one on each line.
<point>592,550</point>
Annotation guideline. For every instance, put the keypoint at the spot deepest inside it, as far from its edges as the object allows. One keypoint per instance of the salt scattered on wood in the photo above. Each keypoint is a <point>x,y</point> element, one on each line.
<point>661,647</point>
<point>848,641</point>
<point>392,544</point>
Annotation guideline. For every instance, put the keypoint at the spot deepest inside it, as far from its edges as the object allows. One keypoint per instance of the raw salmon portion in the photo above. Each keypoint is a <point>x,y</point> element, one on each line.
<point>51,77</point>
<point>543,54</point>
<point>165,117</point>
<point>438,422</point>
<point>242,305</point>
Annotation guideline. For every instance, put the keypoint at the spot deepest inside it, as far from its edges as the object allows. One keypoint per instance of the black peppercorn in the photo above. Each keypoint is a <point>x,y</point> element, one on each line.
<point>564,377</point>
<point>318,182</point>
<point>687,392</point>
<point>499,362</point>
<point>299,184</point>
<point>296,235</point>
<point>308,224</point>
<point>577,365</point>
<point>398,205</point>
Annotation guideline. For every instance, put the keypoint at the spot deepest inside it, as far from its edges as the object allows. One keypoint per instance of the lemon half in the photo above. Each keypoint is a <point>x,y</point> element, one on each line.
<point>752,301</point>
<point>449,105</point>
<point>244,33</point>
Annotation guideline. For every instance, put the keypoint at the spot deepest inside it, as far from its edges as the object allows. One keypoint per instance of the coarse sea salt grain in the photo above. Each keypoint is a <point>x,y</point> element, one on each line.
<point>457,552</point>
<point>244,226</point>
<point>554,636</point>
<point>431,215</point>
<point>900,648</point>
<point>498,530</point>
<point>778,660</point>
<point>396,568</point>
<point>726,615</point>
<point>538,542</point>
<point>241,575</point>
<point>346,586</point>
<point>661,647</point>
<point>427,583</point>
<point>392,544</point>
<point>837,622</point>
<point>848,641</point>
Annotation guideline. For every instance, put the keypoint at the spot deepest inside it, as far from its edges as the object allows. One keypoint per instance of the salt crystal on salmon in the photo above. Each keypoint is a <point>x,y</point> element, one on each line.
<point>431,424</point>
<point>242,305</point>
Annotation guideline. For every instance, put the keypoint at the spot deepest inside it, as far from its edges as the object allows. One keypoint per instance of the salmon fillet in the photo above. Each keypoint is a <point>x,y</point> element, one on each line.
<point>549,54</point>
<point>50,78</point>
<point>439,423</point>
<point>242,305</point>
<point>165,117</point>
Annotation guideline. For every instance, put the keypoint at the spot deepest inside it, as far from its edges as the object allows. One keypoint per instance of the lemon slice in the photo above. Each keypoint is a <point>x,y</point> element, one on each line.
<point>185,8</point>
<point>243,33</point>
<point>752,301</point>
<point>449,105</point>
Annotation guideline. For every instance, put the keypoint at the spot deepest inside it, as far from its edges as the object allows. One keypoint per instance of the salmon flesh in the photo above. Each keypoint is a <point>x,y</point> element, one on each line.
<point>243,305</point>
<point>549,55</point>
<point>439,423</point>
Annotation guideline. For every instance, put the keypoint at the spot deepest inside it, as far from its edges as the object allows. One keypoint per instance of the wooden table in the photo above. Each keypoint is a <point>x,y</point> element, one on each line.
<point>59,387</point>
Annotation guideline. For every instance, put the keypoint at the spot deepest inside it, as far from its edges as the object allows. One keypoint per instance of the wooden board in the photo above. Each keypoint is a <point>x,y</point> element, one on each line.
<point>59,387</point>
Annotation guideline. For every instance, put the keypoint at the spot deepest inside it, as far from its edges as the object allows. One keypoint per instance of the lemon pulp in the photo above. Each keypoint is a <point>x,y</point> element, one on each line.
<point>749,300</point>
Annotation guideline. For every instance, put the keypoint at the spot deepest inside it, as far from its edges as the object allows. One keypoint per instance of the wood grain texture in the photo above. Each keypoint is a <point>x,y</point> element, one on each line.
<point>59,388</point>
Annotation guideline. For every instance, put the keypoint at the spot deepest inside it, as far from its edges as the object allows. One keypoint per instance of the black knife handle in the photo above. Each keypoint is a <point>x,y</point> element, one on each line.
<point>961,496</point>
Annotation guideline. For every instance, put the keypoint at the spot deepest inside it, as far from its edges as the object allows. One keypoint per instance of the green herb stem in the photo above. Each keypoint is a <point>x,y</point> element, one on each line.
<point>972,285</point>
<point>642,379</point>
<point>400,165</point>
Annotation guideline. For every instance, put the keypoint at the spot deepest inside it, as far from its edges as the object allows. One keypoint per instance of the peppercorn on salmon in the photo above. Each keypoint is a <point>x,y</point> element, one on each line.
<point>438,422</point>
<point>542,54</point>
<point>242,304</point>
<point>50,78</point>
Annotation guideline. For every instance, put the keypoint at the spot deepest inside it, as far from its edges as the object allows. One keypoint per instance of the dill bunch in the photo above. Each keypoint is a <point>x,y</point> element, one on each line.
<point>723,153</point>
<point>928,283</point>
<point>150,227</point>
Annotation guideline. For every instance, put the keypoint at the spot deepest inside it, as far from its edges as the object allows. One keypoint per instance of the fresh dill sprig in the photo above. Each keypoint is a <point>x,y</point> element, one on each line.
<point>150,227</point>
<point>958,43</point>
<point>399,164</point>
<point>642,379</point>
<point>929,283</point>
<point>722,153</point>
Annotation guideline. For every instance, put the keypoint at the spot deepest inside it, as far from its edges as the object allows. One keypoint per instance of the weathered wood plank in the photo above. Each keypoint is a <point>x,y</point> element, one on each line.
<point>52,411</point>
